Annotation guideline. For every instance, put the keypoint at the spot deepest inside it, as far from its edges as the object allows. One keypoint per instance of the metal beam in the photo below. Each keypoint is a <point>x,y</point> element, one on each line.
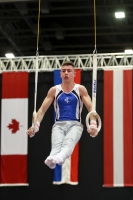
<point>50,63</point>
<point>70,35</point>
<point>59,15</point>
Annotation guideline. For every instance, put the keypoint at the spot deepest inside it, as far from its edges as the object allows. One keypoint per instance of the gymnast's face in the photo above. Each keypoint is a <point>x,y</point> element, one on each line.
<point>67,73</point>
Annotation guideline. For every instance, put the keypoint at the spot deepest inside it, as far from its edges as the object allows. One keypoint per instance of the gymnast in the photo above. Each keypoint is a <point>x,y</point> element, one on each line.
<point>68,99</point>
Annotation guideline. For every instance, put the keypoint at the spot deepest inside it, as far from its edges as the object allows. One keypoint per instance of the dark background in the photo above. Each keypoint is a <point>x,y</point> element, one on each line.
<point>66,27</point>
<point>40,177</point>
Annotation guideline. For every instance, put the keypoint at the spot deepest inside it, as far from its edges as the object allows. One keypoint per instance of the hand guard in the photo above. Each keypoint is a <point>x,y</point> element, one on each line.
<point>92,130</point>
<point>34,129</point>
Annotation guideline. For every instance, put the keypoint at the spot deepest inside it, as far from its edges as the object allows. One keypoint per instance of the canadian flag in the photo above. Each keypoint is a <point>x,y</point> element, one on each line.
<point>14,123</point>
<point>118,138</point>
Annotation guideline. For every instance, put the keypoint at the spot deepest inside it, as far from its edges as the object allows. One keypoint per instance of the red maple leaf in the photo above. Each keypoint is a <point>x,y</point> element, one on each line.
<point>14,126</point>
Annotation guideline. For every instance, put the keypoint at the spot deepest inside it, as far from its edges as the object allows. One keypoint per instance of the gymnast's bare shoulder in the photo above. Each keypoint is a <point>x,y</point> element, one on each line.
<point>83,90</point>
<point>51,92</point>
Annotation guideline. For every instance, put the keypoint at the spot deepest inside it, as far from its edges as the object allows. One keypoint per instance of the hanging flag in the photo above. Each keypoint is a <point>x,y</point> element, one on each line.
<point>14,123</point>
<point>118,147</point>
<point>68,172</point>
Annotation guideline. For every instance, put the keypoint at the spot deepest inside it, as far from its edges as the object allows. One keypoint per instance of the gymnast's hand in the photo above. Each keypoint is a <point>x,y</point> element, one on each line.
<point>92,130</point>
<point>33,129</point>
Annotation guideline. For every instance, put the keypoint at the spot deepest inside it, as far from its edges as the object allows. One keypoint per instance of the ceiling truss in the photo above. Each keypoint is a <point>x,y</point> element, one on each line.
<point>50,63</point>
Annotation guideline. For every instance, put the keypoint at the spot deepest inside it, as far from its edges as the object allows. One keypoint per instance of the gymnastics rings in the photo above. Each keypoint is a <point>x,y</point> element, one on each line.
<point>93,113</point>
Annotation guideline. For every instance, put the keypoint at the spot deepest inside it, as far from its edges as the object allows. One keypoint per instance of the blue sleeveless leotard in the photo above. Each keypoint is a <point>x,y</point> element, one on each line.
<point>68,106</point>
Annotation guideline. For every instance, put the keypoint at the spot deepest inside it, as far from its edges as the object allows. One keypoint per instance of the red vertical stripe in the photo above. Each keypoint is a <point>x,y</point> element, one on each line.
<point>108,128</point>
<point>74,164</point>
<point>127,127</point>
<point>15,85</point>
<point>75,154</point>
<point>77,78</point>
<point>14,169</point>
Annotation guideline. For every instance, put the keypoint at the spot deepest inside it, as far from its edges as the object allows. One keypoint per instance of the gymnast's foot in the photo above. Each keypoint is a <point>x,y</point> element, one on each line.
<point>50,162</point>
<point>58,159</point>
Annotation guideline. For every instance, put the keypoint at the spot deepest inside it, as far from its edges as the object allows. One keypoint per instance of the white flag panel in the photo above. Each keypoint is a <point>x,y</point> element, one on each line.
<point>14,123</point>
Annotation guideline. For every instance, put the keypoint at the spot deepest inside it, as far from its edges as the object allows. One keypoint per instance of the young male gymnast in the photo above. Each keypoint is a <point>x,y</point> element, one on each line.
<point>68,99</point>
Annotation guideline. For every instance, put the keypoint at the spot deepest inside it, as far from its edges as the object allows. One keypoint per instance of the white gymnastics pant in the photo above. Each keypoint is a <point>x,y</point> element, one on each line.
<point>65,135</point>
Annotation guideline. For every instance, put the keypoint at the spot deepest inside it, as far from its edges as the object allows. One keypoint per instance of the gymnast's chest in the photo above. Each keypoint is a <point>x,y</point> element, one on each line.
<point>67,100</point>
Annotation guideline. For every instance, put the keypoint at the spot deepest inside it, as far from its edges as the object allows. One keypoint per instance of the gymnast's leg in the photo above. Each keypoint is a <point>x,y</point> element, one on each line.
<point>57,137</point>
<point>65,136</point>
<point>73,135</point>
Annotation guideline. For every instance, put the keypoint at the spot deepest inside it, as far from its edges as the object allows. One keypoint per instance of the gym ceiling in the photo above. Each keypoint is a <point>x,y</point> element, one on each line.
<point>66,27</point>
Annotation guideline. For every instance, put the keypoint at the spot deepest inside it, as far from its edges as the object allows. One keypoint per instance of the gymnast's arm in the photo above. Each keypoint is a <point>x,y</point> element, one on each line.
<point>88,103</point>
<point>85,97</point>
<point>40,114</point>
<point>46,103</point>
<point>86,100</point>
